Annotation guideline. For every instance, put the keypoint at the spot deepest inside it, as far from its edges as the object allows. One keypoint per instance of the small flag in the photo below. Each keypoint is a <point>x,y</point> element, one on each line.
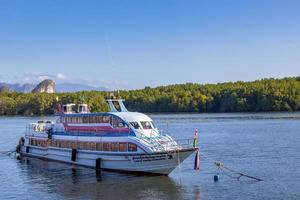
<point>195,141</point>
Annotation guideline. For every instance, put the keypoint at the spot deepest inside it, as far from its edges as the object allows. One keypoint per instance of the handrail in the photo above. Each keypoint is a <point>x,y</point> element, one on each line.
<point>164,142</point>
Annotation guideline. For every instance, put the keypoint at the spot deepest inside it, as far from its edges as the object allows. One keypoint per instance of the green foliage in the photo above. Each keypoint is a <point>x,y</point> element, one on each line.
<point>262,95</point>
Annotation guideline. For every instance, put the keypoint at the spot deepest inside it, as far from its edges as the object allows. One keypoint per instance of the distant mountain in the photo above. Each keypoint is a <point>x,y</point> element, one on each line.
<point>46,86</point>
<point>5,88</point>
<point>62,87</point>
<point>19,87</point>
<point>74,87</point>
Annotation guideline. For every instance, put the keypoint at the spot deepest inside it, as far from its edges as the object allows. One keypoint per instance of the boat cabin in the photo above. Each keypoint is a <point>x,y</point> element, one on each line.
<point>77,118</point>
<point>73,108</point>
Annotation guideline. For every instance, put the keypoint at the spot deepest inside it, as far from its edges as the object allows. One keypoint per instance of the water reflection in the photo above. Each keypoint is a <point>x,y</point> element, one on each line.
<point>75,182</point>
<point>197,191</point>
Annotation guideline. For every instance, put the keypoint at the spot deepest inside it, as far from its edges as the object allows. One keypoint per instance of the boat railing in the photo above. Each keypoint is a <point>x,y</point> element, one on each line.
<point>36,128</point>
<point>163,142</point>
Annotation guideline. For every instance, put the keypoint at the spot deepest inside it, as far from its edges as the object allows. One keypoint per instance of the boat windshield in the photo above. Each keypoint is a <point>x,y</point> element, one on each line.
<point>153,125</point>
<point>146,125</point>
<point>135,125</point>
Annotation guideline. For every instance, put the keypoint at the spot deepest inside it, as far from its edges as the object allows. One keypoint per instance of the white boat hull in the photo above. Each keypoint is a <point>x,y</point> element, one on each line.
<point>155,163</point>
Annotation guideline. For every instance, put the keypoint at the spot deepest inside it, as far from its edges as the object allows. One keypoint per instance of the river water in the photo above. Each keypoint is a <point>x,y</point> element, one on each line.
<point>265,145</point>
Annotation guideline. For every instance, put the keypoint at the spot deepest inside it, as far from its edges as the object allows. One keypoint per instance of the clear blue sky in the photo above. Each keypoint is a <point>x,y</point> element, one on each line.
<point>137,43</point>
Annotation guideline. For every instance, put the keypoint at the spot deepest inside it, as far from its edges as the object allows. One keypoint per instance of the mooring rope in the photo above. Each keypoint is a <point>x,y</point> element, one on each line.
<point>5,152</point>
<point>226,169</point>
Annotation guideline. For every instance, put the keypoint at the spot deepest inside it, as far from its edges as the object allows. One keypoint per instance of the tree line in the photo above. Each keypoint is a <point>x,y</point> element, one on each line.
<point>256,96</point>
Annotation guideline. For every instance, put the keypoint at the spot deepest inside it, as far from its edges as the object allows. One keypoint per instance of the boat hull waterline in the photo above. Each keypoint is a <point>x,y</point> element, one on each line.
<point>159,163</point>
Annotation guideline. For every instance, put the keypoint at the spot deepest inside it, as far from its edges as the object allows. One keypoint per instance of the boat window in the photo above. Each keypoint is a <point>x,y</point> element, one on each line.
<point>106,146</point>
<point>80,145</point>
<point>99,147</point>
<point>135,125</point>
<point>79,119</point>
<point>73,145</point>
<point>146,125</point>
<point>123,147</point>
<point>153,125</point>
<point>93,145</point>
<point>132,147</point>
<point>118,123</point>
<point>69,119</point>
<point>74,120</point>
<point>114,146</point>
<point>85,119</point>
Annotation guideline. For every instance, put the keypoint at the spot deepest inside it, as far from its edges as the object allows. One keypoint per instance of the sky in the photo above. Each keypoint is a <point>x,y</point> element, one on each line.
<point>130,44</point>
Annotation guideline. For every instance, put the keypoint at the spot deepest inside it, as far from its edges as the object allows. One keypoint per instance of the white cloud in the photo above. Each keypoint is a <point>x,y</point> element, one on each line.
<point>61,76</point>
<point>36,77</point>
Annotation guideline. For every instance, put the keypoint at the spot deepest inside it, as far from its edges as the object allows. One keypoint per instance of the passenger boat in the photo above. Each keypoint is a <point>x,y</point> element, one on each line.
<point>117,140</point>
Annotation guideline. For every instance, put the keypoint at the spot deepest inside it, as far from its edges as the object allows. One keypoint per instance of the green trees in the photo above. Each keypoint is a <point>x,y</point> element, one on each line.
<point>261,95</point>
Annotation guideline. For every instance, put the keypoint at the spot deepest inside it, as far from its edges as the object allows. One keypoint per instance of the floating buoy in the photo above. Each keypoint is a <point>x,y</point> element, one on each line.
<point>216,177</point>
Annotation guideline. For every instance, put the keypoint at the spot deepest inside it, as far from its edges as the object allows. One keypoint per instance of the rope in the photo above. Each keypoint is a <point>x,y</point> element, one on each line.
<point>179,167</point>
<point>4,152</point>
<point>226,169</point>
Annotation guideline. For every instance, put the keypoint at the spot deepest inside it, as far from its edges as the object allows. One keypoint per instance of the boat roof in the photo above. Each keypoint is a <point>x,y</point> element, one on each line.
<point>124,114</point>
<point>132,116</point>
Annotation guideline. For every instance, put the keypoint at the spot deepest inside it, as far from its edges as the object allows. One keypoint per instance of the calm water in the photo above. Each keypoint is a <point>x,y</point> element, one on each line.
<point>263,145</point>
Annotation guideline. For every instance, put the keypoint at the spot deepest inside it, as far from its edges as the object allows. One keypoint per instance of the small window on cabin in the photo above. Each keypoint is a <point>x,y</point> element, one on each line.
<point>122,147</point>
<point>85,119</point>
<point>63,144</point>
<point>114,146</point>
<point>99,119</point>
<point>93,146</point>
<point>99,146</point>
<point>146,125</point>
<point>95,119</point>
<point>91,119</point>
<point>79,145</point>
<point>74,119</point>
<point>106,146</point>
<point>108,119</point>
<point>69,119</point>
<point>67,144</point>
<point>118,123</point>
<point>71,145</point>
<point>132,147</point>
<point>135,125</point>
